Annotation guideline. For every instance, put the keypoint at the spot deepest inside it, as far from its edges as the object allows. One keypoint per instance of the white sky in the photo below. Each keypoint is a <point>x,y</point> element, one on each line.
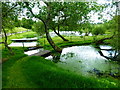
<point>94,16</point>
<point>103,1</point>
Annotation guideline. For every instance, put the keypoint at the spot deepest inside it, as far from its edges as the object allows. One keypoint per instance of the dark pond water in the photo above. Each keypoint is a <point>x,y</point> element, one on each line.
<point>87,61</point>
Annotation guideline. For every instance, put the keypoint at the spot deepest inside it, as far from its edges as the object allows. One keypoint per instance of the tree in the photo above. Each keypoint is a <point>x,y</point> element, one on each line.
<point>8,14</point>
<point>98,31</point>
<point>38,27</point>
<point>69,14</point>
<point>113,27</point>
<point>27,23</point>
<point>45,17</point>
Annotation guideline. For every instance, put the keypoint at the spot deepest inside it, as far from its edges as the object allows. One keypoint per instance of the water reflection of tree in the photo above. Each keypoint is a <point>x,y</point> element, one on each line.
<point>68,55</point>
<point>114,57</point>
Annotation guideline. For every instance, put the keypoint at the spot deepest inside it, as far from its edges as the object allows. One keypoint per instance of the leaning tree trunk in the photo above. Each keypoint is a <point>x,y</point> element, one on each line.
<point>59,34</point>
<point>56,48</point>
<point>98,42</point>
<point>46,24</point>
<point>5,42</point>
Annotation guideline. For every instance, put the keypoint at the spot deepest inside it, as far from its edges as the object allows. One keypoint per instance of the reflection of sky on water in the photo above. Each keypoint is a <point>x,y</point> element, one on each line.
<point>33,51</point>
<point>85,58</point>
<point>68,33</point>
<point>20,44</point>
<point>107,53</point>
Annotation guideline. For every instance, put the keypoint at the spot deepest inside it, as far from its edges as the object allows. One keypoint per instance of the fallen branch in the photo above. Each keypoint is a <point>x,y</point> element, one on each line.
<point>102,40</point>
<point>1,42</point>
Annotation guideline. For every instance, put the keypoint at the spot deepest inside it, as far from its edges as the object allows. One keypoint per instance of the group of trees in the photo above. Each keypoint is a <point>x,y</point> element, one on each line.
<point>98,30</point>
<point>53,15</point>
<point>10,12</point>
<point>38,27</point>
<point>25,23</point>
<point>56,16</point>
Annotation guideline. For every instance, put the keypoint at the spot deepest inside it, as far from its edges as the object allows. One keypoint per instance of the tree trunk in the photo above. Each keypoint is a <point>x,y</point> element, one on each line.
<point>46,24</point>
<point>59,34</point>
<point>86,34</point>
<point>98,42</point>
<point>56,48</point>
<point>5,42</point>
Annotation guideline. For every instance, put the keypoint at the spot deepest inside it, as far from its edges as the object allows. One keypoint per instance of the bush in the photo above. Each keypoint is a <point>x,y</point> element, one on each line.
<point>98,31</point>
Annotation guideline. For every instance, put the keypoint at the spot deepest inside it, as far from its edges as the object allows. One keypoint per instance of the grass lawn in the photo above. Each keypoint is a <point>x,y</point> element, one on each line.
<point>36,72</point>
<point>16,29</point>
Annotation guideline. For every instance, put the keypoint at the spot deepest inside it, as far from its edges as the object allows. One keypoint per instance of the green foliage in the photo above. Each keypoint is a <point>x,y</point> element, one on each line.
<point>70,14</point>
<point>26,23</point>
<point>113,27</point>
<point>86,27</point>
<point>9,15</point>
<point>98,30</point>
<point>39,28</point>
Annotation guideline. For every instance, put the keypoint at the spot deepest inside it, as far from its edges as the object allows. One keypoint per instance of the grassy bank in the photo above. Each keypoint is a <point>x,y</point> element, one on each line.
<point>36,72</point>
<point>76,40</point>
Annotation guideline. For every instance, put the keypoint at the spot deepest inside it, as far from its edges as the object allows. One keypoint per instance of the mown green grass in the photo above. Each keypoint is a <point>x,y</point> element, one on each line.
<point>21,35</point>
<point>36,72</point>
<point>16,29</point>
<point>8,61</point>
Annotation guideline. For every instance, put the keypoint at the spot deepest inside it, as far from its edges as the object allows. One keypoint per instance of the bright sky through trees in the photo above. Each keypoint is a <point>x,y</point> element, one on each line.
<point>94,16</point>
<point>105,13</point>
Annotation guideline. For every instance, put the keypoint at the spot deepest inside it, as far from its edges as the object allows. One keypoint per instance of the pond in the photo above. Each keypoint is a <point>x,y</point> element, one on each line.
<point>69,33</point>
<point>21,44</point>
<point>31,52</point>
<point>24,42</point>
<point>87,61</point>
